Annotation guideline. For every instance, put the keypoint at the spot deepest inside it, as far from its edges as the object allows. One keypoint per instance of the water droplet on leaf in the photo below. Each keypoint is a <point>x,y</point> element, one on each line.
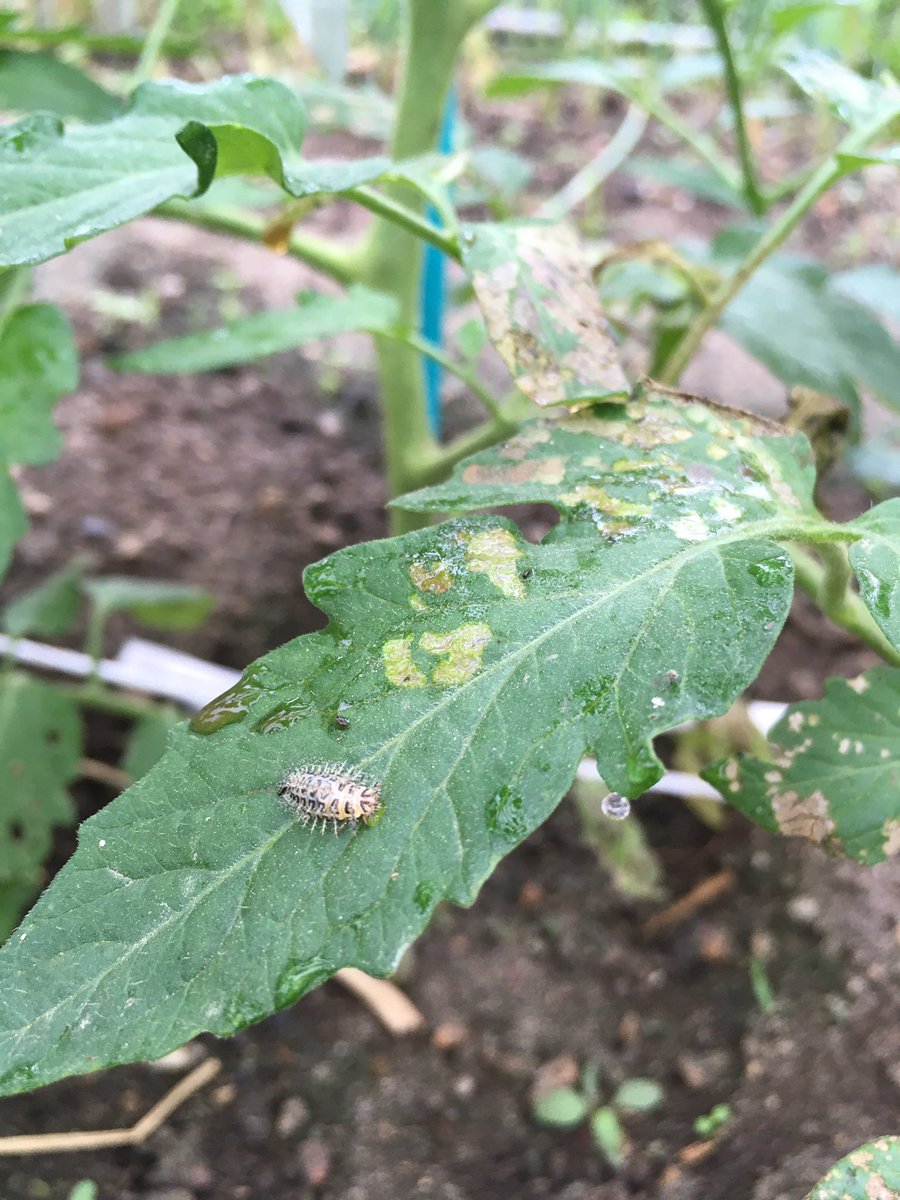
<point>615,806</point>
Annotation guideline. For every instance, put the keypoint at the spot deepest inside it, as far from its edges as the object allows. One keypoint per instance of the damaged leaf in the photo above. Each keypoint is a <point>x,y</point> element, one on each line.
<point>542,312</point>
<point>871,1172</point>
<point>472,669</point>
<point>835,777</point>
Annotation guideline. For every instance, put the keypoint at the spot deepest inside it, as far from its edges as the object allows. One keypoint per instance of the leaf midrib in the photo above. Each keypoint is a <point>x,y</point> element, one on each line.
<point>771,527</point>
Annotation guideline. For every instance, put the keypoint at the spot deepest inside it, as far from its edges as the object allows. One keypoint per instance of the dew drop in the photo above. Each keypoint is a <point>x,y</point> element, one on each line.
<point>615,806</point>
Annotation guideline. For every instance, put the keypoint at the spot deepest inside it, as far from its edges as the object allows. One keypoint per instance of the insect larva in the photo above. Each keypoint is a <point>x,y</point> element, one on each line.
<point>331,793</point>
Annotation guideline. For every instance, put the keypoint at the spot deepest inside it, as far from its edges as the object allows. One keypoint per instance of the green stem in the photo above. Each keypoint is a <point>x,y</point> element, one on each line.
<point>339,262</point>
<point>393,255</point>
<point>822,583</point>
<point>703,146</point>
<point>406,218</point>
<point>469,378</point>
<point>715,18</point>
<point>817,184</point>
<point>836,582</point>
<point>153,43</point>
<point>590,177</point>
<point>112,43</point>
<point>439,465</point>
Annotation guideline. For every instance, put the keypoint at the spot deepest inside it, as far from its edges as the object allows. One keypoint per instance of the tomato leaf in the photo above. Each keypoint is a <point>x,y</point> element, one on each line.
<point>835,775</point>
<point>471,670</point>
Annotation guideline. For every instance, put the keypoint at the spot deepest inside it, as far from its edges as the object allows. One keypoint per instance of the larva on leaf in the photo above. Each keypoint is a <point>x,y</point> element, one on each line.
<point>331,793</point>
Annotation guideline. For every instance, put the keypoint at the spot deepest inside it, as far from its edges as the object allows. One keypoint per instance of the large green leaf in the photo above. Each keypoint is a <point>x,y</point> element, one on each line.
<point>38,364</point>
<point>807,333</point>
<point>542,312</point>
<point>470,670</point>
<point>876,560</point>
<point>836,775</point>
<point>875,285</point>
<point>40,747</point>
<point>872,1172</point>
<point>33,80</point>
<point>173,140</point>
<point>63,187</point>
<point>260,334</point>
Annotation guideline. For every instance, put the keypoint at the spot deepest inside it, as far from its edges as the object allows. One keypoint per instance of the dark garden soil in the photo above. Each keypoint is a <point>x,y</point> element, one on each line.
<point>235,481</point>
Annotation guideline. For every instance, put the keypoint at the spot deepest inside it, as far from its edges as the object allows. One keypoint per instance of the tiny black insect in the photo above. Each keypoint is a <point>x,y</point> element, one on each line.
<point>341,722</point>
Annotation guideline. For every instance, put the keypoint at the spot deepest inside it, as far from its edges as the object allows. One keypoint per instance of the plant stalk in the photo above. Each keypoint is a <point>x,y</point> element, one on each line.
<point>438,465</point>
<point>338,262</point>
<point>400,214</point>
<point>449,364</point>
<point>828,586</point>
<point>393,256</point>
<point>715,18</point>
<point>153,43</point>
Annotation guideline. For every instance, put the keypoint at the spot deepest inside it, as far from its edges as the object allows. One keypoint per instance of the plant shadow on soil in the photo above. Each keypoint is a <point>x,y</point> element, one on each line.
<point>234,481</point>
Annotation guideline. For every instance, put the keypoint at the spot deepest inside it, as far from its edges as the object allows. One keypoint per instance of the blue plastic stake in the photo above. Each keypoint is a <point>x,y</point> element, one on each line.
<point>434,289</point>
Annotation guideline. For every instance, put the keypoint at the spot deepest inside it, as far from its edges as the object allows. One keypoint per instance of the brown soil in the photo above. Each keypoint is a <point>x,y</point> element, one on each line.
<point>238,479</point>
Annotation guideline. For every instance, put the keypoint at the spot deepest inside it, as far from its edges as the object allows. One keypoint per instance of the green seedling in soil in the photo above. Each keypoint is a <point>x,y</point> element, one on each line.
<point>568,1108</point>
<point>717,1118</point>
<point>85,1190</point>
<point>762,987</point>
<point>472,668</point>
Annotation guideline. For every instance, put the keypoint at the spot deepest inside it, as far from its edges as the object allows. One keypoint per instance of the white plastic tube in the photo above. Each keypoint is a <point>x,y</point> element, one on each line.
<point>172,675</point>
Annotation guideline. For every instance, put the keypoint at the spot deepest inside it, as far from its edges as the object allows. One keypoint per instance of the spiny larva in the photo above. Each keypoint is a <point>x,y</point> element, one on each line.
<point>331,793</point>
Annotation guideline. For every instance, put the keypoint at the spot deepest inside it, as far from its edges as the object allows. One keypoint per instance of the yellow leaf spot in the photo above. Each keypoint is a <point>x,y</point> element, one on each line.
<point>716,452</point>
<point>463,649</point>
<point>631,464</point>
<point>434,577</point>
<point>542,470</point>
<point>417,603</point>
<point>599,498</point>
<point>398,663</point>
<point>494,553</point>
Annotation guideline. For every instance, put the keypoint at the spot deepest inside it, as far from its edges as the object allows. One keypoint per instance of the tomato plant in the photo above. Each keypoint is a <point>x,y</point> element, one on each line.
<point>471,668</point>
